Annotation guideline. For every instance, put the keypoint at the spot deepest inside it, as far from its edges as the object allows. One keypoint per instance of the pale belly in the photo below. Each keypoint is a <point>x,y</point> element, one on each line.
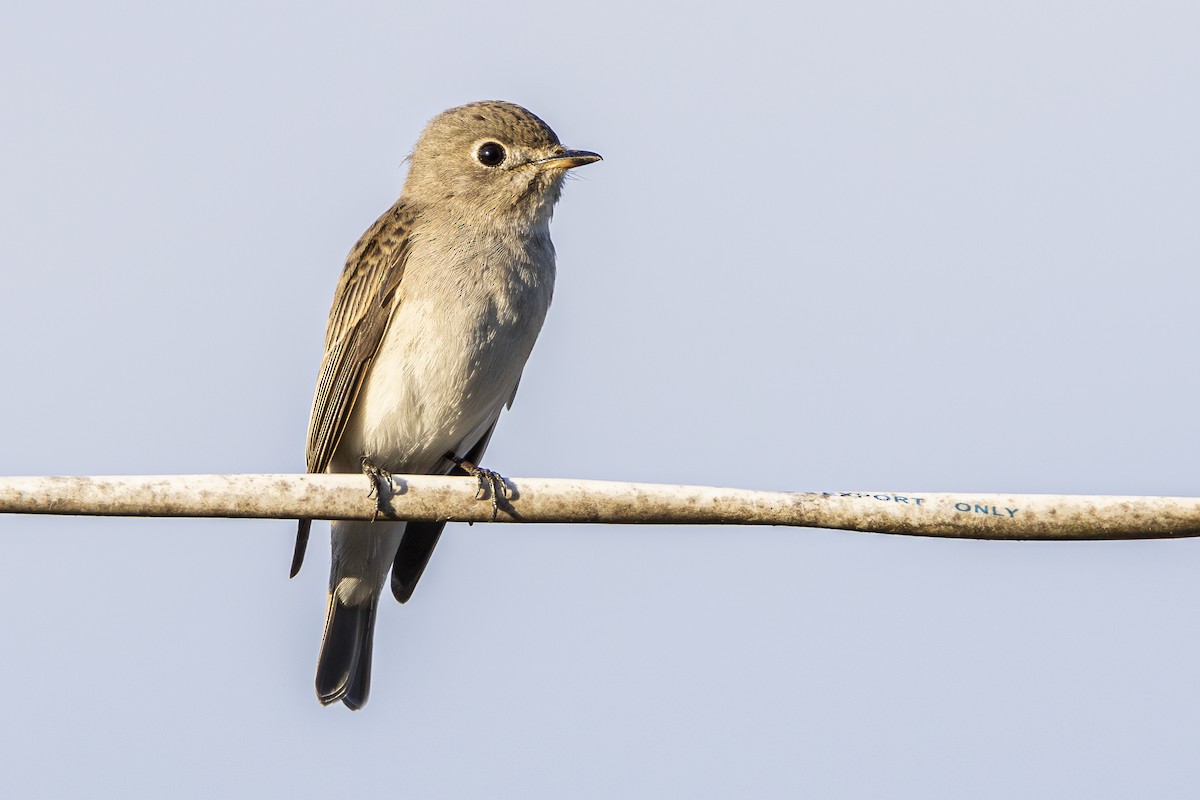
<point>443,374</point>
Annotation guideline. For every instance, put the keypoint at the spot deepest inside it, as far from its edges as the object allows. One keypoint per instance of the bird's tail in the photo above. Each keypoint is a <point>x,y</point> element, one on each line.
<point>344,666</point>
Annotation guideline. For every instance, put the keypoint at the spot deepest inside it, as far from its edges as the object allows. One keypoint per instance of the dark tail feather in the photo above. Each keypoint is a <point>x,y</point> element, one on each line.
<point>301,545</point>
<point>344,666</point>
<point>413,554</point>
<point>421,537</point>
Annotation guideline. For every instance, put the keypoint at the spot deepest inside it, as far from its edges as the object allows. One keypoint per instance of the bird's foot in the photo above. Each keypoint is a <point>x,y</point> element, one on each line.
<point>381,484</point>
<point>491,483</point>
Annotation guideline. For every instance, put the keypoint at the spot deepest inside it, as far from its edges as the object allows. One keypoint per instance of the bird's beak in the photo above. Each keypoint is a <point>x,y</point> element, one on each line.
<point>567,160</point>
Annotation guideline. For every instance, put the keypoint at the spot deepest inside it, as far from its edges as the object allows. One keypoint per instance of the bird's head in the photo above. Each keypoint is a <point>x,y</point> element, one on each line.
<point>492,158</point>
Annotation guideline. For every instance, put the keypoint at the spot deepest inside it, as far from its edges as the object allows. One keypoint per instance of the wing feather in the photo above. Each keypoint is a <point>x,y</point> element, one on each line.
<point>362,307</point>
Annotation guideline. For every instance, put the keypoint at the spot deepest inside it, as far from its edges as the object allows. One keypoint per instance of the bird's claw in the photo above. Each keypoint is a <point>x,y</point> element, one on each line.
<point>491,483</point>
<point>381,484</point>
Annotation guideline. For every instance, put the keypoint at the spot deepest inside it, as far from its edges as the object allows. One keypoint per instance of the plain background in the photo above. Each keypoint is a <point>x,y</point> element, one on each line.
<point>881,246</point>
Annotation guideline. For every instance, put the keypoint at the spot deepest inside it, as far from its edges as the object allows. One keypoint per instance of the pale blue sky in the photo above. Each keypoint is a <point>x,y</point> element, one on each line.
<point>891,246</point>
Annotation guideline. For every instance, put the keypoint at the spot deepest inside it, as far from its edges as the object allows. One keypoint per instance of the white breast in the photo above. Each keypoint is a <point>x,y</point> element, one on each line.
<point>468,312</point>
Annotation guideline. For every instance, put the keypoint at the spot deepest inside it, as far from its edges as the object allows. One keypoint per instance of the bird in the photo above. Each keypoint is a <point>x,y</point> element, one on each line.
<point>433,319</point>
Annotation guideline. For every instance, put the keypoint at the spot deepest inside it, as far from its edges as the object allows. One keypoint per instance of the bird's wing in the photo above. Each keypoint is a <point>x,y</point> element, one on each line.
<point>362,307</point>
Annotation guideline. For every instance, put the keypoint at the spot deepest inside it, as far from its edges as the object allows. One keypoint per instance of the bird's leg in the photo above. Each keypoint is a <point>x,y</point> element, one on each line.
<point>491,483</point>
<point>381,484</point>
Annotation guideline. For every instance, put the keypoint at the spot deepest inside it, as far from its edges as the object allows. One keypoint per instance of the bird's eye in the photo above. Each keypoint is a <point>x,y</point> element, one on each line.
<point>490,154</point>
